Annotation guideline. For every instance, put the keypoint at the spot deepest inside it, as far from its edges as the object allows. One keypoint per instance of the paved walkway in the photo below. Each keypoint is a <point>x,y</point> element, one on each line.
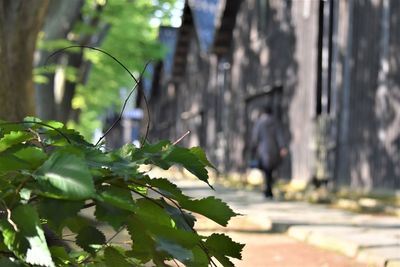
<point>280,250</point>
<point>367,238</point>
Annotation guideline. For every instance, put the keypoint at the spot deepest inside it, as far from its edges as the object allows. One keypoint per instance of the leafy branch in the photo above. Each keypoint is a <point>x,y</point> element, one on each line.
<point>201,245</point>
<point>51,175</point>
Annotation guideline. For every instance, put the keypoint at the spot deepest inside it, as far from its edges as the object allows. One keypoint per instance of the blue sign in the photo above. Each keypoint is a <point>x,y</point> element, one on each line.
<point>168,37</point>
<point>133,113</point>
<point>205,15</point>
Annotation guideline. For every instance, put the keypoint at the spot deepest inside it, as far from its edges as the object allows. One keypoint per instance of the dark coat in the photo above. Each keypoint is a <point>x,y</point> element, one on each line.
<point>267,141</point>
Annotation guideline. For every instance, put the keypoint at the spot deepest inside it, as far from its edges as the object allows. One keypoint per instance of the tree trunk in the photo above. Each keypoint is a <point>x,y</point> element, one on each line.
<point>20,22</point>
<point>59,21</point>
<point>64,109</point>
<point>65,106</point>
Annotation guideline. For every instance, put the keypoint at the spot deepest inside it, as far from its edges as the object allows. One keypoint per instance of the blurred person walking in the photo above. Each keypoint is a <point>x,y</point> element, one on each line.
<point>268,146</point>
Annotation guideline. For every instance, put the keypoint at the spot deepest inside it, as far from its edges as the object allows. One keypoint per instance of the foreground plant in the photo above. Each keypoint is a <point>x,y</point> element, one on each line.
<point>50,177</point>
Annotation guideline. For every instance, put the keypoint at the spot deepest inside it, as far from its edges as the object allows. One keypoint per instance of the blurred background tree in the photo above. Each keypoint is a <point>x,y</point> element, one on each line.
<point>79,85</point>
<point>20,22</point>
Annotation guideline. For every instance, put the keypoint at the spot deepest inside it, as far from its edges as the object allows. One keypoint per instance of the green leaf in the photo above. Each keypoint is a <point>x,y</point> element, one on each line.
<point>199,152</point>
<point>55,124</point>
<point>38,253</point>
<point>13,138</point>
<point>90,239</point>
<point>165,237</point>
<point>10,162</point>
<point>225,245</point>
<point>98,162</point>
<point>110,214</point>
<point>97,159</point>
<point>76,223</point>
<point>150,149</point>
<point>175,250</point>
<point>151,154</point>
<point>119,197</point>
<point>60,256</point>
<point>113,257</point>
<point>149,211</point>
<point>13,240</point>
<point>7,127</point>
<point>200,258</point>
<point>5,262</point>
<point>125,151</point>
<point>34,155</point>
<point>124,168</point>
<point>57,211</point>
<point>211,207</point>
<point>67,175</point>
<point>79,255</point>
<point>149,237</point>
<point>186,239</point>
<point>143,244</point>
<point>167,188</point>
<point>58,138</point>
<point>183,220</point>
<point>188,160</point>
<point>220,246</point>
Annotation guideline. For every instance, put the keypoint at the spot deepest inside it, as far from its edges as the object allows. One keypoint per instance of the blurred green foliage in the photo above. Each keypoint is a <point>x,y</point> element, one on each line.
<point>131,38</point>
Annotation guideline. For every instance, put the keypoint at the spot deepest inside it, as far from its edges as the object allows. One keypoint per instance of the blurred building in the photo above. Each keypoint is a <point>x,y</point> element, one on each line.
<point>330,68</point>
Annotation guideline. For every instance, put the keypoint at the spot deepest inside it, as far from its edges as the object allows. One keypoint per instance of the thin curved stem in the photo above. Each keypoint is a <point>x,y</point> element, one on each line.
<point>129,95</point>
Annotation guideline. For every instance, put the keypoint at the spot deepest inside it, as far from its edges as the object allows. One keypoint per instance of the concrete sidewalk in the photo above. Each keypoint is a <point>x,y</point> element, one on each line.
<point>367,238</point>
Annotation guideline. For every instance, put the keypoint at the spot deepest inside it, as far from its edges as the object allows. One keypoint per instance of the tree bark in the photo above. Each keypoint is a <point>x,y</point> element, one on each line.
<point>20,22</point>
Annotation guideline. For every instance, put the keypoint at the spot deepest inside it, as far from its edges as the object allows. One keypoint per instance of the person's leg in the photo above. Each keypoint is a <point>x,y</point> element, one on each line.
<point>268,183</point>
